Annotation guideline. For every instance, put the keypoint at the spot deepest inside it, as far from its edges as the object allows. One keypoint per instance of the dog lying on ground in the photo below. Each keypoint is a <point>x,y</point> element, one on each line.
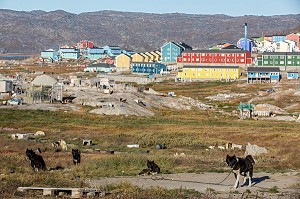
<point>76,156</point>
<point>241,167</point>
<point>151,168</point>
<point>37,162</point>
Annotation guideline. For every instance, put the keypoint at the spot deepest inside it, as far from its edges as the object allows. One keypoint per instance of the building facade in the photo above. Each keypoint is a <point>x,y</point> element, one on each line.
<point>123,61</point>
<point>170,51</point>
<point>263,74</point>
<point>95,53</point>
<point>224,57</point>
<point>49,54</point>
<point>292,75</point>
<point>137,57</point>
<point>69,53</point>
<point>148,67</point>
<point>294,37</point>
<point>283,60</point>
<point>197,72</point>
<point>278,38</point>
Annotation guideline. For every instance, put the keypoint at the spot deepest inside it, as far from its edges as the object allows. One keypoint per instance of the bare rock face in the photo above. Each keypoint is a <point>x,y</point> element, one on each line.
<point>31,32</point>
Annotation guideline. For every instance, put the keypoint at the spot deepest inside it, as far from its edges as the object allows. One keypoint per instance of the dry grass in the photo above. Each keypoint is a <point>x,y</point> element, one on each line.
<point>189,132</point>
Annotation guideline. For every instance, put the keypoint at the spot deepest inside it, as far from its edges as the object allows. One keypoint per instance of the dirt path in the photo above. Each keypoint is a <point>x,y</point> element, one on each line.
<point>202,182</point>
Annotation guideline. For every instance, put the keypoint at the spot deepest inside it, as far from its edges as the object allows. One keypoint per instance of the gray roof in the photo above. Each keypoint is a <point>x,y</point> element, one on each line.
<point>104,65</point>
<point>187,66</point>
<point>263,69</point>
<point>215,51</point>
<point>281,53</point>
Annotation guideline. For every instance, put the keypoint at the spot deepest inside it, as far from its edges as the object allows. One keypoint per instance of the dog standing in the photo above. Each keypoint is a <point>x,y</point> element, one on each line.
<point>37,162</point>
<point>241,167</point>
<point>76,156</point>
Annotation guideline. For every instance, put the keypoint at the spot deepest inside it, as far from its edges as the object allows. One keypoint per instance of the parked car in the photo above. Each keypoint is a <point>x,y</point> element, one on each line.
<point>14,101</point>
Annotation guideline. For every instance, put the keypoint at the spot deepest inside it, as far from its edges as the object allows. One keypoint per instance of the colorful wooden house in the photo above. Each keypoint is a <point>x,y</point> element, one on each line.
<point>69,53</point>
<point>151,56</point>
<point>292,75</point>
<point>85,44</point>
<point>263,74</point>
<point>147,58</point>
<point>112,50</point>
<point>123,61</point>
<point>278,38</point>
<point>294,37</point>
<point>148,67</point>
<point>100,68</point>
<point>230,57</point>
<point>49,54</point>
<point>138,57</point>
<point>283,60</point>
<point>197,72</point>
<point>128,52</point>
<point>170,51</point>
<point>95,53</point>
<point>157,56</point>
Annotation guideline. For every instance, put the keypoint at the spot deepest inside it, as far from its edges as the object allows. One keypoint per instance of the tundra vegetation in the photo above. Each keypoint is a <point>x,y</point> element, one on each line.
<point>182,131</point>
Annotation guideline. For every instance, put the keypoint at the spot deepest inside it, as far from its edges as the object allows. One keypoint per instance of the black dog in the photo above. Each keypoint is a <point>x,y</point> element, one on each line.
<point>37,162</point>
<point>241,167</point>
<point>151,168</point>
<point>76,156</point>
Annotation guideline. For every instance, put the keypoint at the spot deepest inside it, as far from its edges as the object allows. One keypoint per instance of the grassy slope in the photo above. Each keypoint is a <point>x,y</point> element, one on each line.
<point>182,131</point>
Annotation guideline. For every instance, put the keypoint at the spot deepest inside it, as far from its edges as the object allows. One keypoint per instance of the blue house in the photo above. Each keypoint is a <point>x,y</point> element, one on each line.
<point>95,53</point>
<point>128,52</point>
<point>69,53</point>
<point>278,38</point>
<point>50,53</point>
<point>292,75</point>
<point>263,74</point>
<point>112,50</point>
<point>170,51</point>
<point>148,68</point>
<point>100,68</point>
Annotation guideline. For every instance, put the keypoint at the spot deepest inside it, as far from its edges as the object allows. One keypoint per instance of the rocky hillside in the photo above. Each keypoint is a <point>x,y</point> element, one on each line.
<point>38,30</point>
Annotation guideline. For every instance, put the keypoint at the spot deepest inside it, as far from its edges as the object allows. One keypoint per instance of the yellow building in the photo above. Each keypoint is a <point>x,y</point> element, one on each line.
<point>151,56</point>
<point>123,61</point>
<point>209,72</point>
<point>138,57</point>
<point>146,57</point>
<point>157,55</point>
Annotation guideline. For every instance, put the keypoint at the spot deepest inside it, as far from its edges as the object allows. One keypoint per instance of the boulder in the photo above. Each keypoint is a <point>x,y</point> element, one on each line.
<point>254,150</point>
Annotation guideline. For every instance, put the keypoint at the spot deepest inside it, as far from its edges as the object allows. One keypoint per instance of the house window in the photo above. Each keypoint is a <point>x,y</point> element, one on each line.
<point>281,62</point>
<point>203,54</point>
<point>223,55</point>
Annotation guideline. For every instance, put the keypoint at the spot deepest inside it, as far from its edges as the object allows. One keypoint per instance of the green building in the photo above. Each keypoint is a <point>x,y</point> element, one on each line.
<point>283,60</point>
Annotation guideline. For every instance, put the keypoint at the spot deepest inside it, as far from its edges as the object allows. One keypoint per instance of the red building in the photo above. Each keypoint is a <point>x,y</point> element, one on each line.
<point>294,37</point>
<point>85,44</point>
<point>230,57</point>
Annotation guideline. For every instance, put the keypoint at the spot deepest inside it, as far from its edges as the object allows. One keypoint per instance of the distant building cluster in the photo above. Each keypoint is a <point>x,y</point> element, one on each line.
<point>264,56</point>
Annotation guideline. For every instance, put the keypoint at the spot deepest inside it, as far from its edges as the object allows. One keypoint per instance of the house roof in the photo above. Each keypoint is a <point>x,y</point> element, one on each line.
<point>281,53</point>
<point>292,72</point>
<point>188,66</point>
<point>231,47</point>
<point>263,69</point>
<point>216,51</point>
<point>103,65</point>
<point>184,45</point>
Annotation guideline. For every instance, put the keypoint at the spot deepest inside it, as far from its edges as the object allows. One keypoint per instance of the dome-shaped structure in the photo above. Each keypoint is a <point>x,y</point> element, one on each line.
<point>241,44</point>
<point>43,80</point>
